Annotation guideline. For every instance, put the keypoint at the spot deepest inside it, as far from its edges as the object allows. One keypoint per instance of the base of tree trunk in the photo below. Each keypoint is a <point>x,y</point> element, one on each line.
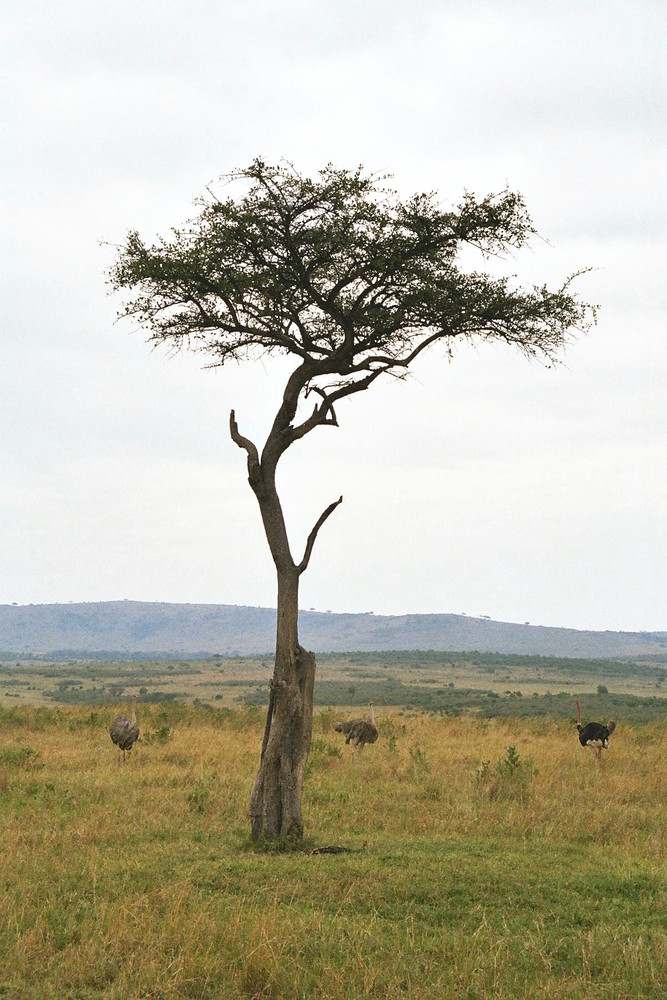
<point>275,800</point>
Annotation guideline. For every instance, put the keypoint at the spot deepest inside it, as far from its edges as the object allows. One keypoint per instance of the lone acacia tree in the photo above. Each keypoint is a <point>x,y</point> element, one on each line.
<point>353,283</point>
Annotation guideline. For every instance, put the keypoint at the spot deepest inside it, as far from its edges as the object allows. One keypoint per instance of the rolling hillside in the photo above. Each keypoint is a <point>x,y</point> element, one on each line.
<point>189,629</point>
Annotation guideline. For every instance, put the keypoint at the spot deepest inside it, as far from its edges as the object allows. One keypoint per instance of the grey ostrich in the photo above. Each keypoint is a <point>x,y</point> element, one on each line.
<point>359,732</point>
<point>594,734</point>
<point>124,732</point>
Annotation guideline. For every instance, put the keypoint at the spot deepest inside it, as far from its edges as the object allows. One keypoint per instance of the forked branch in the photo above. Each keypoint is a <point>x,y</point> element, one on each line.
<point>321,415</point>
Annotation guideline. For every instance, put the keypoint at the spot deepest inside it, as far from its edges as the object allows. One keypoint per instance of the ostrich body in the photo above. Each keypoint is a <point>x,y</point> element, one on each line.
<point>594,734</point>
<point>359,732</point>
<point>124,732</point>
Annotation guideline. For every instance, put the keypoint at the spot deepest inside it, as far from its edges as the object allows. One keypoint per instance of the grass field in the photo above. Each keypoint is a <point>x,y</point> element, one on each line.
<point>478,870</point>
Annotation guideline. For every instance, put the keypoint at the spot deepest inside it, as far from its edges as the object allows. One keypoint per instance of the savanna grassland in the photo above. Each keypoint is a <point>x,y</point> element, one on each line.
<point>490,683</point>
<point>490,859</point>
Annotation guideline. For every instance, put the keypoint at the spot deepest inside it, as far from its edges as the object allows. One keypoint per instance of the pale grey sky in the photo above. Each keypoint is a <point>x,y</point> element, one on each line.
<point>489,485</point>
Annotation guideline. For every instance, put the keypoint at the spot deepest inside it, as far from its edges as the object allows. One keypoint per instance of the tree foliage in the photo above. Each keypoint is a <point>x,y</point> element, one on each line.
<point>342,274</point>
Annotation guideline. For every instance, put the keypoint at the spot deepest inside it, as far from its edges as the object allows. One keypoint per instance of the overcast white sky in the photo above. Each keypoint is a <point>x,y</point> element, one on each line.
<point>487,486</point>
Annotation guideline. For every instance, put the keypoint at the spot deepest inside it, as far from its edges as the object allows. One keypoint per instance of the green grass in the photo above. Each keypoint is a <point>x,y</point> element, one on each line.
<point>490,859</point>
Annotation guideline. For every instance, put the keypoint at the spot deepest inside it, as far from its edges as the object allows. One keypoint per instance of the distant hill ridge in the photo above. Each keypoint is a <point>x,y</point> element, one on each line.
<point>190,629</point>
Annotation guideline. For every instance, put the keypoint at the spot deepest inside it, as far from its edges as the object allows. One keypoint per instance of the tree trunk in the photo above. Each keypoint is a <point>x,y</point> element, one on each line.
<point>275,800</point>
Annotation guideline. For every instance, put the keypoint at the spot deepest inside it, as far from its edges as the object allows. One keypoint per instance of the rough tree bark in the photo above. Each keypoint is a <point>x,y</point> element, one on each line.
<point>275,799</point>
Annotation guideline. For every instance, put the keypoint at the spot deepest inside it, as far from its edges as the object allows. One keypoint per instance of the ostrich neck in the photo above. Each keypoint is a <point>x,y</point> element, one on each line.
<point>372,716</point>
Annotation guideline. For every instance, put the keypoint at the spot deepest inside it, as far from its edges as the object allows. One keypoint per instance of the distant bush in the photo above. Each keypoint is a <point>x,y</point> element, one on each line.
<point>509,778</point>
<point>650,666</point>
<point>420,762</point>
<point>160,736</point>
<point>198,798</point>
<point>321,753</point>
<point>20,757</point>
<point>95,720</point>
<point>488,704</point>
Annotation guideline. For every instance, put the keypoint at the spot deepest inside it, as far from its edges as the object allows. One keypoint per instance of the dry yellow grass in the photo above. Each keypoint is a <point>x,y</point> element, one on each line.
<point>471,881</point>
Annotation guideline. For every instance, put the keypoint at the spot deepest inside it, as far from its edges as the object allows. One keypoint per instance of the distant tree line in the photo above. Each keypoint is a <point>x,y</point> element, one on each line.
<point>452,700</point>
<point>644,666</point>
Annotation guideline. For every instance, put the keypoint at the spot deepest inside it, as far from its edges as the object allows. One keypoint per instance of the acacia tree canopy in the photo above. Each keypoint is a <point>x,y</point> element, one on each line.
<point>342,274</point>
<point>354,283</point>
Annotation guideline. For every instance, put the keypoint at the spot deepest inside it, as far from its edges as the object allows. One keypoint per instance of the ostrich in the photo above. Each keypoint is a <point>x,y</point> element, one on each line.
<point>124,732</point>
<point>359,731</point>
<point>594,734</point>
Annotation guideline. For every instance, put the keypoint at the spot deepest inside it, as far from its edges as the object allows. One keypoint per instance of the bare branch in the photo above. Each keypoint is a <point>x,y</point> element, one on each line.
<point>303,565</point>
<point>255,476</point>
<point>322,415</point>
<point>332,418</point>
<point>242,442</point>
<point>317,417</point>
<point>358,386</point>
